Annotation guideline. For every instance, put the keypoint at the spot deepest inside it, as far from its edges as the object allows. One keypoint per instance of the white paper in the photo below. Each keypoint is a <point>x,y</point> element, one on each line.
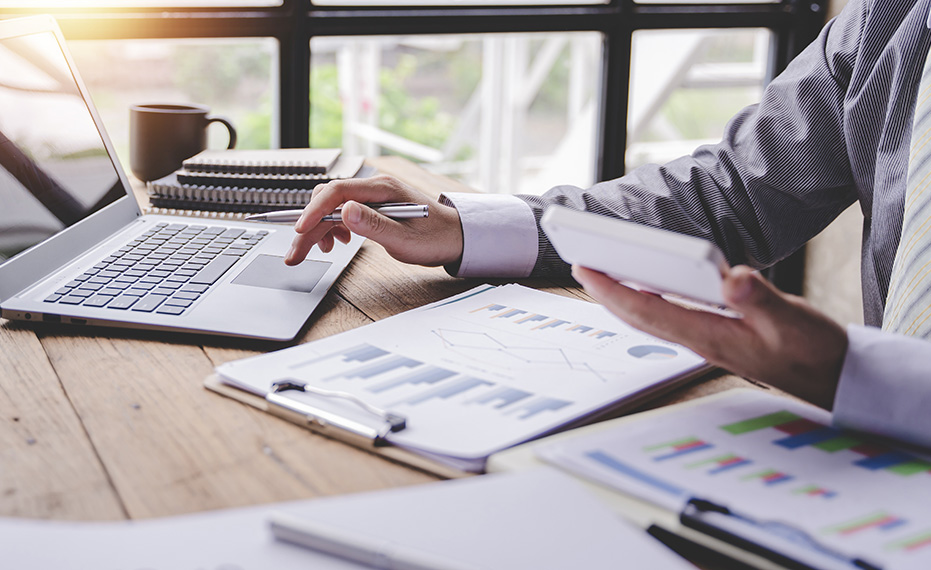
<point>859,498</point>
<point>479,372</point>
<point>538,519</point>
<point>533,519</point>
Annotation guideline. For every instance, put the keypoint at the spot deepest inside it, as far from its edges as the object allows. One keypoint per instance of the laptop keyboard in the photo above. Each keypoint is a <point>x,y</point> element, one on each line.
<point>165,270</point>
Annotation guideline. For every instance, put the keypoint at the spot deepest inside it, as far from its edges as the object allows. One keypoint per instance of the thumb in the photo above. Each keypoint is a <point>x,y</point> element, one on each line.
<point>746,291</point>
<point>368,223</point>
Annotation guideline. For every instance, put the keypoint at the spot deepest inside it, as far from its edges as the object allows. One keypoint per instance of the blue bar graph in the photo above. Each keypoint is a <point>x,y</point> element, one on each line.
<point>535,407</point>
<point>532,319</point>
<point>885,460</point>
<point>625,469</point>
<point>381,366</point>
<point>493,308</point>
<point>426,375</point>
<point>504,396</point>
<point>604,334</point>
<point>511,313</point>
<point>446,391</point>
<point>582,329</point>
<point>552,324</point>
<point>808,438</point>
<point>360,353</point>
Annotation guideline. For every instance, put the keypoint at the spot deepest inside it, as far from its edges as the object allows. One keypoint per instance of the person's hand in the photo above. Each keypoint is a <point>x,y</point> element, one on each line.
<point>781,339</point>
<point>434,240</point>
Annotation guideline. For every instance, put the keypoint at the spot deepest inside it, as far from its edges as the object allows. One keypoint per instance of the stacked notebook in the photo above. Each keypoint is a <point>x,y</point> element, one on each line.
<point>250,181</point>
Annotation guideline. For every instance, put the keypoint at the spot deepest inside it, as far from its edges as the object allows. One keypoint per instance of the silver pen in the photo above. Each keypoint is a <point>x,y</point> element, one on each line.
<point>395,210</point>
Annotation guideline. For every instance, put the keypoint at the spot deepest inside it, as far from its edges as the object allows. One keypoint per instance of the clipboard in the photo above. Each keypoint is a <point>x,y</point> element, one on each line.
<point>369,441</point>
<point>733,530</point>
<point>456,381</point>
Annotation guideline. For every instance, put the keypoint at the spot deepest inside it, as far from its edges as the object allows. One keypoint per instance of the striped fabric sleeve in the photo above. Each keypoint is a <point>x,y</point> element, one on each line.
<point>779,176</point>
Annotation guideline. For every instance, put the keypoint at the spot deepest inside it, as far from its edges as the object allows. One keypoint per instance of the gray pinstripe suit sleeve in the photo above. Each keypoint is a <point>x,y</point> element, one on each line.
<point>779,176</point>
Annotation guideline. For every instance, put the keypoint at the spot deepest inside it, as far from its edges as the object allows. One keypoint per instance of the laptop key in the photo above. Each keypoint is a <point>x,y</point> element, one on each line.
<point>52,298</point>
<point>214,270</point>
<point>123,302</point>
<point>71,300</point>
<point>149,303</point>
<point>97,301</point>
<point>170,310</point>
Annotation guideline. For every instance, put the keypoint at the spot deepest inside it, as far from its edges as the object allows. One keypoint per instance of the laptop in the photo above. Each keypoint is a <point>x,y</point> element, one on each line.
<point>76,248</point>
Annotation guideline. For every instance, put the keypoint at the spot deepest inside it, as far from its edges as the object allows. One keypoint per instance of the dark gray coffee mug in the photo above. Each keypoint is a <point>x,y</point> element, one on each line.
<point>162,136</point>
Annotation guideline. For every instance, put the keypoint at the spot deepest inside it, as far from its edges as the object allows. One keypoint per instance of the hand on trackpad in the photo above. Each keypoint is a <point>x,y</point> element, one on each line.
<point>271,272</point>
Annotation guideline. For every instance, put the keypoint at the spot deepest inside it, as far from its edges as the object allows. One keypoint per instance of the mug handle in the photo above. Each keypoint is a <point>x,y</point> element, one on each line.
<point>226,122</point>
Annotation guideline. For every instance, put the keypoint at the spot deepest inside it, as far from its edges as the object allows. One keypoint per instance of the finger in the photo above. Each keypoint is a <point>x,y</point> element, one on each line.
<point>654,315</point>
<point>327,197</point>
<point>746,291</point>
<point>342,233</point>
<point>368,223</point>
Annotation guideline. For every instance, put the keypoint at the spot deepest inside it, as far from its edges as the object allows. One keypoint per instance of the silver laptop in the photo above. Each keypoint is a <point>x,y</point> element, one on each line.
<point>75,247</point>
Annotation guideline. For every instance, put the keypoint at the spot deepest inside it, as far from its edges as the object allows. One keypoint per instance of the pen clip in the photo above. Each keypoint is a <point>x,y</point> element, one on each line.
<point>699,514</point>
<point>330,423</point>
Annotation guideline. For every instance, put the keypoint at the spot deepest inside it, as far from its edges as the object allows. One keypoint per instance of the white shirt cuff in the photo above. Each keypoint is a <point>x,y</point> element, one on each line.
<point>499,235</point>
<point>885,386</point>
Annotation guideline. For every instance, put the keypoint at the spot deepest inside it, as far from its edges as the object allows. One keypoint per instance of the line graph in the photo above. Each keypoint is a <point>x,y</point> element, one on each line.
<point>490,349</point>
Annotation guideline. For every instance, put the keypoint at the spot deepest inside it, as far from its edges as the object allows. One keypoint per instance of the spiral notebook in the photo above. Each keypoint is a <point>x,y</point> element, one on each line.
<point>265,161</point>
<point>245,192</point>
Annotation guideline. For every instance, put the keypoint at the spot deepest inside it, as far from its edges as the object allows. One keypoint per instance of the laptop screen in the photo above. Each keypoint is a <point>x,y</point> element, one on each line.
<point>54,168</point>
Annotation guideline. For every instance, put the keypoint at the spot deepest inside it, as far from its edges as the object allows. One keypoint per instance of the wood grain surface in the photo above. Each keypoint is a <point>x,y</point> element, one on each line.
<point>102,424</point>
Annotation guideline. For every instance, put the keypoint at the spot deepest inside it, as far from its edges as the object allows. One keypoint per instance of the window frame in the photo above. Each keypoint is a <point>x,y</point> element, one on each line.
<point>793,24</point>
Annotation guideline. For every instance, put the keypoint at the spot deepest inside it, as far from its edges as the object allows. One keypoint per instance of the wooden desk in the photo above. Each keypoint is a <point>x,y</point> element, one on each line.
<point>112,424</point>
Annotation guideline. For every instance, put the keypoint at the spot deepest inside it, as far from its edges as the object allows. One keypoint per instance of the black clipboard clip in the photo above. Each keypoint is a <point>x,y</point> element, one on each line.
<point>779,542</point>
<point>329,423</point>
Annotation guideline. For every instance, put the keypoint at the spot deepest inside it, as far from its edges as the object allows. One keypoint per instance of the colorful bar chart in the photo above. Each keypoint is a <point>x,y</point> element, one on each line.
<point>815,491</point>
<point>721,464</point>
<point>770,477</point>
<point>797,433</point>
<point>912,543</point>
<point>677,448</point>
<point>879,521</point>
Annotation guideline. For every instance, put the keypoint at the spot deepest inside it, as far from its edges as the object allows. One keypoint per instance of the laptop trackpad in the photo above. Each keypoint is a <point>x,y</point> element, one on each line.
<point>271,272</point>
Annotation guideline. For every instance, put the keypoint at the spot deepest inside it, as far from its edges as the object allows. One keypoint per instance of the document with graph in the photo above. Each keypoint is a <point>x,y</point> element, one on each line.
<point>470,375</point>
<point>746,463</point>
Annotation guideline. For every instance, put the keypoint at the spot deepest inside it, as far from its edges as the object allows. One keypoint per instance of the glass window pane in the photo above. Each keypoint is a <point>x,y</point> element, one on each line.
<point>456,3</point>
<point>235,78</point>
<point>685,86</point>
<point>501,112</point>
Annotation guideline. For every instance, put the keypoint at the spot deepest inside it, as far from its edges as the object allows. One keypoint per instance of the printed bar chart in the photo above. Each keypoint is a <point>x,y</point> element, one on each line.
<point>388,364</point>
<point>446,391</point>
<point>618,466</point>
<point>797,432</point>
<point>540,405</point>
<point>677,448</point>
<point>360,353</point>
<point>721,463</point>
<point>910,544</point>
<point>540,322</point>
<point>880,521</point>
<point>815,491</point>
<point>769,477</point>
<point>503,395</point>
<point>425,375</point>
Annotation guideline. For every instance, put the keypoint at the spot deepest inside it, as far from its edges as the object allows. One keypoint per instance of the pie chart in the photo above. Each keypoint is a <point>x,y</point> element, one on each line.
<point>652,352</point>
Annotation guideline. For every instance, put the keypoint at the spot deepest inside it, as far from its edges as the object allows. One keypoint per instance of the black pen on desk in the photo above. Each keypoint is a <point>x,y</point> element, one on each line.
<point>397,211</point>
